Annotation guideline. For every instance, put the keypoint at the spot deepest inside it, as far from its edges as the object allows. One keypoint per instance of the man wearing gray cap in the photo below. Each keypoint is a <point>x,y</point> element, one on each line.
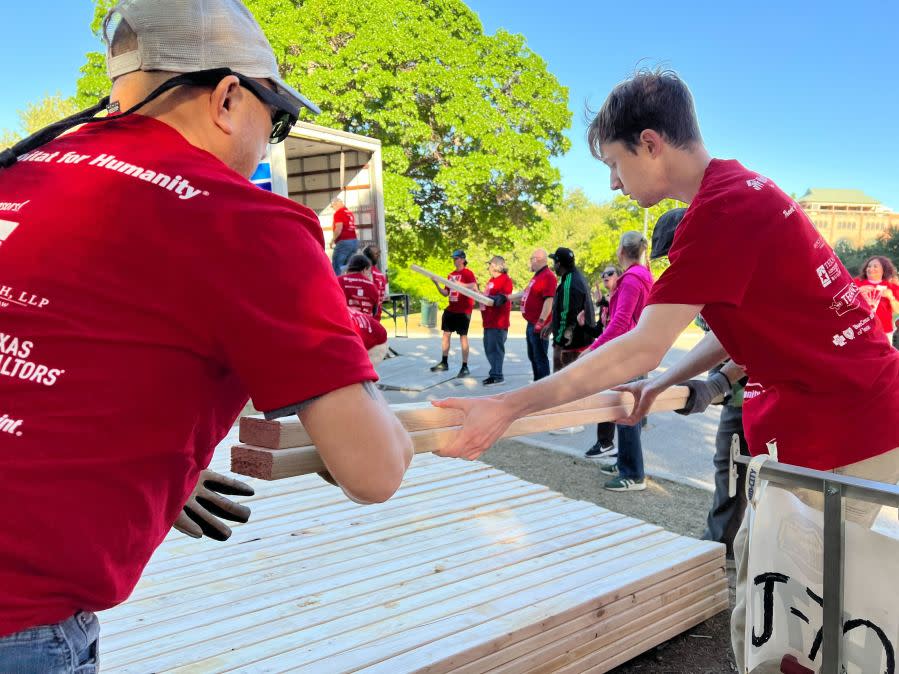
<point>148,289</point>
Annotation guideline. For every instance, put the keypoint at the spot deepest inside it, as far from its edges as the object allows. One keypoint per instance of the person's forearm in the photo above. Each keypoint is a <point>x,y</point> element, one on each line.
<point>701,358</point>
<point>617,362</point>
<point>516,297</point>
<point>547,309</point>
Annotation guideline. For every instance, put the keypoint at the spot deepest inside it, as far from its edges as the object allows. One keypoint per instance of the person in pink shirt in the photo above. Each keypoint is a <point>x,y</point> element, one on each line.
<point>625,306</point>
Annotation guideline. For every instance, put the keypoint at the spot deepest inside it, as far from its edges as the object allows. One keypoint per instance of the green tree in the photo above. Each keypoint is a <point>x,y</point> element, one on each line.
<point>468,121</point>
<point>37,115</point>
<point>887,244</point>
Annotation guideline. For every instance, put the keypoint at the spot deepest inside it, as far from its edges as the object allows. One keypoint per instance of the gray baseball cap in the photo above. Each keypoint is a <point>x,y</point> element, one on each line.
<point>185,36</point>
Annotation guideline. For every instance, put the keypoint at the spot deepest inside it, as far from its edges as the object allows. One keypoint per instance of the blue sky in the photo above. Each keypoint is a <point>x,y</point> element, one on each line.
<point>806,93</point>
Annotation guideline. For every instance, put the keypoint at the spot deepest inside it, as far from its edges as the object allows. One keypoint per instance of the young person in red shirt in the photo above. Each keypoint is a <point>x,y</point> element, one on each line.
<point>358,287</point>
<point>878,288</point>
<point>373,253</point>
<point>496,318</point>
<point>151,289</point>
<point>829,361</point>
<point>343,236</point>
<point>536,308</point>
<point>457,315</point>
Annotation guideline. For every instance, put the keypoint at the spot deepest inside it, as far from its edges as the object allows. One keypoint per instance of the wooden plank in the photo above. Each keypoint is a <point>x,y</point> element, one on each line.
<point>636,643</point>
<point>353,641</point>
<point>518,635</point>
<point>458,287</point>
<point>283,434</point>
<point>275,464</point>
<point>351,587</point>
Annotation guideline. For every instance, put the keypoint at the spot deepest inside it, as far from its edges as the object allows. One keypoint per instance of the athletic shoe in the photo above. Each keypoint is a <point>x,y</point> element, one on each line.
<point>599,452</point>
<point>609,469</point>
<point>463,372</point>
<point>489,381</point>
<point>625,484</point>
<point>440,367</point>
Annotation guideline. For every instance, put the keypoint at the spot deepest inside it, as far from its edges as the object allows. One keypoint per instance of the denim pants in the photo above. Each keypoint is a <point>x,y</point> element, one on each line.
<point>630,451</point>
<point>726,514</point>
<point>538,352</point>
<point>68,647</point>
<point>495,348</point>
<point>343,251</point>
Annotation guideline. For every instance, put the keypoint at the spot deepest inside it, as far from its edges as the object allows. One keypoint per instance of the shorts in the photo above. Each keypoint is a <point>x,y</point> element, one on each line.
<point>453,322</point>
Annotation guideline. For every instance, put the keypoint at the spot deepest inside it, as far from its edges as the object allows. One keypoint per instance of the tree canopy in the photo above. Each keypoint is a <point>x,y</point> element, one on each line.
<point>468,121</point>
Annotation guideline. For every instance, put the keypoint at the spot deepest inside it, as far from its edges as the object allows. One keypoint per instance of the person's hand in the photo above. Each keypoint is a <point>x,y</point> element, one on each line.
<point>546,331</point>
<point>645,393</point>
<point>486,419</point>
<point>887,293</point>
<point>206,505</point>
<point>705,392</point>
<point>581,317</point>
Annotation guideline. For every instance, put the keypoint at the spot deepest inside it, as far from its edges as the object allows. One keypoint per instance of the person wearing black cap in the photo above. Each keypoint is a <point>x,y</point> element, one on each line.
<point>457,315</point>
<point>571,298</point>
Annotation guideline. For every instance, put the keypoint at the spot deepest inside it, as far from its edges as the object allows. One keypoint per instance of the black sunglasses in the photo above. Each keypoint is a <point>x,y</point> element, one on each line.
<point>284,113</point>
<point>608,274</point>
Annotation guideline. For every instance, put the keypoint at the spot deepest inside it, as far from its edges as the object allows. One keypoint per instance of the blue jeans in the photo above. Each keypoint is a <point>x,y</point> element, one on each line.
<point>630,451</point>
<point>68,647</point>
<point>495,349</point>
<point>343,251</point>
<point>538,352</point>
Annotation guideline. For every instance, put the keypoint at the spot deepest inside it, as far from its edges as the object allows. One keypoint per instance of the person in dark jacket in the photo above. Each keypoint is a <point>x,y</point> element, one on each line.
<point>572,297</point>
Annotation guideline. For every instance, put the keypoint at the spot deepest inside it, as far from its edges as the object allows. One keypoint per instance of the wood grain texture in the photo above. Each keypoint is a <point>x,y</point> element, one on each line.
<point>430,428</point>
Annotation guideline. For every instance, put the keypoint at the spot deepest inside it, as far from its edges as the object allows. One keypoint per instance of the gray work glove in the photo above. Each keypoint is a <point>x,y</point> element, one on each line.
<point>704,393</point>
<point>206,505</point>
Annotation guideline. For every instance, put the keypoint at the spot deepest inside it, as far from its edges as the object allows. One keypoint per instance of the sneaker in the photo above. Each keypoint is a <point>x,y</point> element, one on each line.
<point>463,372</point>
<point>440,367</point>
<point>609,469</point>
<point>489,381</point>
<point>625,484</point>
<point>600,452</point>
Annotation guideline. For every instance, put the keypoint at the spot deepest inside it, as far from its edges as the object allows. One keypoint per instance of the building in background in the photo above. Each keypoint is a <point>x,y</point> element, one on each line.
<point>847,215</point>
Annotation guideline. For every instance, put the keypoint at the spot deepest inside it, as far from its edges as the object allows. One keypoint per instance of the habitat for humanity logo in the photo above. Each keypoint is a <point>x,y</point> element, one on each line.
<point>7,227</point>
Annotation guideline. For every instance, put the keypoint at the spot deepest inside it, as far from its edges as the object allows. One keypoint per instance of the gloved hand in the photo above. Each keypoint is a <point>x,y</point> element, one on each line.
<point>704,393</point>
<point>499,300</point>
<point>206,505</point>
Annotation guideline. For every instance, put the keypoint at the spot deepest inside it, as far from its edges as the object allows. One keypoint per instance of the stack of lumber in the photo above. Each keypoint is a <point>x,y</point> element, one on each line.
<point>273,450</point>
<point>466,569</point>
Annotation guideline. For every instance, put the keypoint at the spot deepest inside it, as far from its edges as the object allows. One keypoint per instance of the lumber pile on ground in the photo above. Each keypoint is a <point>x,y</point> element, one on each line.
<point>273,450</point>
<point>467,569</point>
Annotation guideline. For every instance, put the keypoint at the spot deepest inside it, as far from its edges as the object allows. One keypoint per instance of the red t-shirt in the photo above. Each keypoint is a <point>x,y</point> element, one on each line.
<point>146,290</point>
<point>459,303</point>
<point>361,294</point>
<point>822,380</point>
<point>498,317</point>
<point>542,285</point>
<point>872,295</point>
<point>368,328</point>
<point>379,278</point>
<point>344,216</point>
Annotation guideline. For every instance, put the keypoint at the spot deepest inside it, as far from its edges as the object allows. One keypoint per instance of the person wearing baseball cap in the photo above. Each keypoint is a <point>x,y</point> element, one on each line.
<point>457,315</point>
<point>167,290</point>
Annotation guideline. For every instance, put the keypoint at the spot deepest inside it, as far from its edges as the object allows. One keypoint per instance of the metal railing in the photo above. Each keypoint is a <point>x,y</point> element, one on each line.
<point>836,488</point>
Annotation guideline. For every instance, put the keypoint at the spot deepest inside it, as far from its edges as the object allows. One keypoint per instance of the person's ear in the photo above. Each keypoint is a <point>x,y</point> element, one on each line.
<point>223,103</point>
<point>652,141</point>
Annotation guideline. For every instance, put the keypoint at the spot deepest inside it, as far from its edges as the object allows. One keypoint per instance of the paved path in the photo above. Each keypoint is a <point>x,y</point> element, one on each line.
<point>674,447</point>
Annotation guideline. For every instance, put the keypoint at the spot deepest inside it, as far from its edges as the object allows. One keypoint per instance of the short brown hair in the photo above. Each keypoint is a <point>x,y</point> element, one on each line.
<point>651,99</point>
<point>889,271</point>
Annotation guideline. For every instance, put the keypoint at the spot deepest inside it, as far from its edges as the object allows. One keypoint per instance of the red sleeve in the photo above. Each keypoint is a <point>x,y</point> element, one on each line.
<point>368,328</point>
<point>713,259</point>
<point>549,286</point>
<point>468,276</point>
<point>507,287</point>
<point>341,216</point>
<point>274,308</point>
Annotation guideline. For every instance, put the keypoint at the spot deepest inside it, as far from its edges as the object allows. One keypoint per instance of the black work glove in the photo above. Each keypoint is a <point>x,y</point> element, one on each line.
<point>499,300</point>
<point>704,393</point>
<point>206,505</point>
